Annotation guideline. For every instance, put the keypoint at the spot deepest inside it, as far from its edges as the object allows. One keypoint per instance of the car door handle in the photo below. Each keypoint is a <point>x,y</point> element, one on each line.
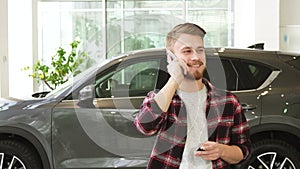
<point>129,114</point>
<point>246,106</point>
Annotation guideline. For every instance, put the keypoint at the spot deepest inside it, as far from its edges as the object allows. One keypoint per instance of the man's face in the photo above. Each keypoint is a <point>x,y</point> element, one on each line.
<point>190,49</point>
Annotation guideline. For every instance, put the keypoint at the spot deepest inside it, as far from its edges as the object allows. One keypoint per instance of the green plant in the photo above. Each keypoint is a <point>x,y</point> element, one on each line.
<point>62,66</point>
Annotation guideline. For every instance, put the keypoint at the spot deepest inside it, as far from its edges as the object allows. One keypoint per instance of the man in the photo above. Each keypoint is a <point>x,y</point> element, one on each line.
<point>197,125</point>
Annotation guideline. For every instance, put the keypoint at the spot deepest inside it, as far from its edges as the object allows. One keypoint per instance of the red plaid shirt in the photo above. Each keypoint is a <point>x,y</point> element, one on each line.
<point>225,119</point>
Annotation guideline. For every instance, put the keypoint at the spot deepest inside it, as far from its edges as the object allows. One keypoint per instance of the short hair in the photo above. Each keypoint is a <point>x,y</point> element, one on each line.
<point>185,28</point>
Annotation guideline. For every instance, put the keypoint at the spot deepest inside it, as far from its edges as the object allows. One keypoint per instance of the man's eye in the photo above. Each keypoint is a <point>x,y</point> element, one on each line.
<point>187,51</point>
<point>200,50</point>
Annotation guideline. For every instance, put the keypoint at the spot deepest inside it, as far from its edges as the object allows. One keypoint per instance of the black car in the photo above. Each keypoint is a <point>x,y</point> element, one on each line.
<point>88,121</point>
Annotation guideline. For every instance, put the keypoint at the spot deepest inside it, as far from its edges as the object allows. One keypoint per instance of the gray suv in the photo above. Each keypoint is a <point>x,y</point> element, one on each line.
<point>88,121</point>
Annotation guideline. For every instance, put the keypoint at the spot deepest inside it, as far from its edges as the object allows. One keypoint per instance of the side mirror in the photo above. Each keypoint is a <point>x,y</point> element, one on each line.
<point>88,92</point>
<point>86,97</point>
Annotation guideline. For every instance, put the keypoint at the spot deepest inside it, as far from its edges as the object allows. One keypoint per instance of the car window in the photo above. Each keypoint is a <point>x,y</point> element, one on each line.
<point>238,74</point>
<point>128,79</point>
<point>72,80</point>
<point>231,75</point>
<point>220,73</point>
<point>251,75</point>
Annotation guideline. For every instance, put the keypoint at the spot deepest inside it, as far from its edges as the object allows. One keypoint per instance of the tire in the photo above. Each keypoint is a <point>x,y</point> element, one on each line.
<point>273,154</point>
<point>18,155</point>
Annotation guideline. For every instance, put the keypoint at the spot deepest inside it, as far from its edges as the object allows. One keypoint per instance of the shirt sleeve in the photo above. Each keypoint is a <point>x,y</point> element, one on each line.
<point>240,132</point>
<point>150,117</point>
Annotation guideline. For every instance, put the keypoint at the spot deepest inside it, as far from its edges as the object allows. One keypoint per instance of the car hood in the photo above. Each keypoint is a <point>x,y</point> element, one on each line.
<point>13,103</point>
<point>5,103</point>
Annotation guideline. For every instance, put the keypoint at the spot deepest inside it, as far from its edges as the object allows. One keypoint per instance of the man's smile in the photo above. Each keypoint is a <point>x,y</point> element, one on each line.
<point>195,64</point>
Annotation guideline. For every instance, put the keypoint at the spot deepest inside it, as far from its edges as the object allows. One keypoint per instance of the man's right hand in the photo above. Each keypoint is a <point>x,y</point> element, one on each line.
<point>177,68</point>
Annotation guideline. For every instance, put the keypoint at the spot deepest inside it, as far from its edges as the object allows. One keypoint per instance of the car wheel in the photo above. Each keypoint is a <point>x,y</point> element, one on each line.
<point>273,154</point>
<point>17,155</point>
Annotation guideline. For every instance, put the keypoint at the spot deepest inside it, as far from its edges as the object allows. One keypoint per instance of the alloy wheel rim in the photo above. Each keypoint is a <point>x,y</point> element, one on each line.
<point>10,162</point>
<point>272,160</point>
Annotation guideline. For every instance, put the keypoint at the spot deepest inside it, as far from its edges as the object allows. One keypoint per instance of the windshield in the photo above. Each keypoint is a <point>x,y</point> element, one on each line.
<point>63,87</point>
<point>74,80</point>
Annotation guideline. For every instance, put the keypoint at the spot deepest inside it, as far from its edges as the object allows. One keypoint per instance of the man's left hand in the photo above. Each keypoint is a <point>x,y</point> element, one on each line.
<point>213,151</point>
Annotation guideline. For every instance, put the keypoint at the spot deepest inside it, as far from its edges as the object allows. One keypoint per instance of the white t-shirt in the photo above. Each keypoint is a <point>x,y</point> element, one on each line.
<point>195,103</point>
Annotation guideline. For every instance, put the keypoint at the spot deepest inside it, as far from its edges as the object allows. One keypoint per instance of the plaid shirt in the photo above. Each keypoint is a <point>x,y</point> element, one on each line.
<point>225,119</point>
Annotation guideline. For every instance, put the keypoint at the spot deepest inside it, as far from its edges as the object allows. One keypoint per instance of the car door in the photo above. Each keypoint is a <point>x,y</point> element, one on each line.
<point>240,76</point>
<point>249,80</point>
<point>97,130</point>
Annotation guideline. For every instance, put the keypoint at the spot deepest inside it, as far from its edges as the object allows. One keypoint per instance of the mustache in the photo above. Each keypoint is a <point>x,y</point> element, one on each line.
<point>192,63</point>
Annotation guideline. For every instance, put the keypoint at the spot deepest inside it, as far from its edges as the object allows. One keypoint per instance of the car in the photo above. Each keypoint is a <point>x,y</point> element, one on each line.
<point>88,121</point>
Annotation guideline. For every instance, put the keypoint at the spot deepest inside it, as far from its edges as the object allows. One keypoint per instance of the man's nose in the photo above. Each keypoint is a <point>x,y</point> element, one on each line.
<point>195,56</point>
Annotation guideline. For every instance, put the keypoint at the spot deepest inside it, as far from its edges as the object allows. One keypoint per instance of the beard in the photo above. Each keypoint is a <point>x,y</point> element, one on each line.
<point>196,75</point>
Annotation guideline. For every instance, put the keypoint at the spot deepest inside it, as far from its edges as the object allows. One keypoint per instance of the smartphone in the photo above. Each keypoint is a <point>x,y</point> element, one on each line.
<point>200,149</point>
<point>171,54</point>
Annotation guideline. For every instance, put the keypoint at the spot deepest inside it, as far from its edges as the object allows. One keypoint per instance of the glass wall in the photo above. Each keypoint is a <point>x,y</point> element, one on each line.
<point>107,28</point>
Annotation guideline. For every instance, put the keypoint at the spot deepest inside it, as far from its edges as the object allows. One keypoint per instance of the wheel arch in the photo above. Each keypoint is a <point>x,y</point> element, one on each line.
<point>13,132</point>
<point>285,132</point>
